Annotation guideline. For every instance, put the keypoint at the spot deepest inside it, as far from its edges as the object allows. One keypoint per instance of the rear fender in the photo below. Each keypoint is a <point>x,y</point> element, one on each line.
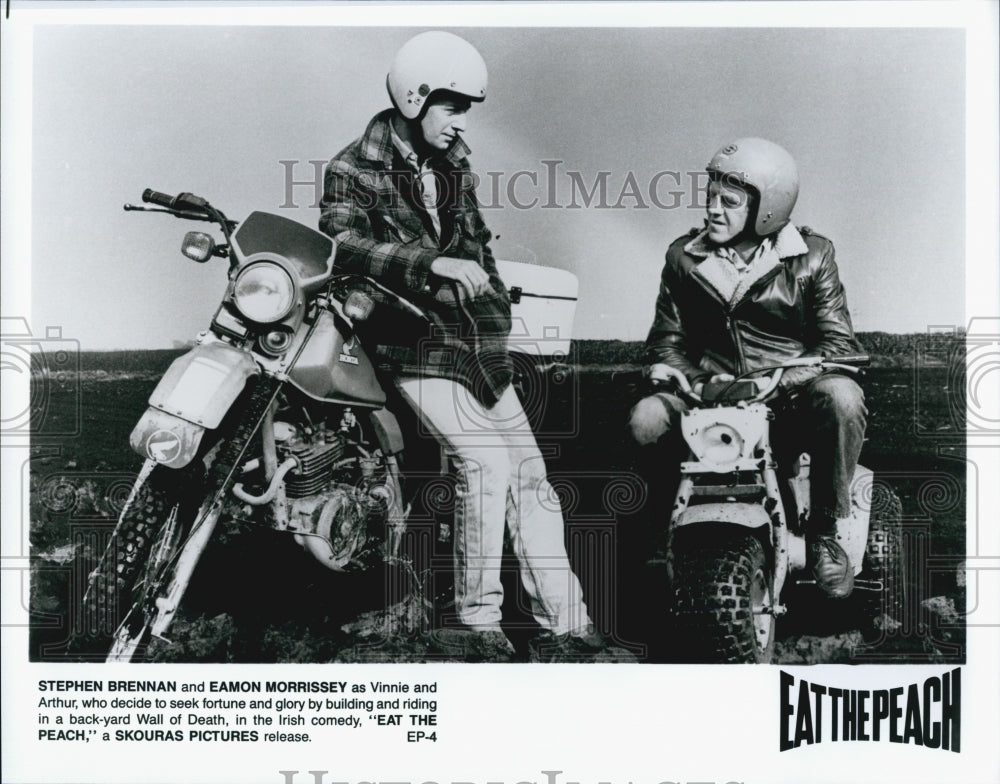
<point>200,386</point>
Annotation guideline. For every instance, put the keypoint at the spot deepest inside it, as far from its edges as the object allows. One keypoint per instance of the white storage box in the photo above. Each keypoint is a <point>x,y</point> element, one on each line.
<point>542,304</point>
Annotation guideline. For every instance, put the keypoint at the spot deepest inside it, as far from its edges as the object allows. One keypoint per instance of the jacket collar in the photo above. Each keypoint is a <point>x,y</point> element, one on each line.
<point>376,144</point>
<point>787,243</point>
<point>720,274</point>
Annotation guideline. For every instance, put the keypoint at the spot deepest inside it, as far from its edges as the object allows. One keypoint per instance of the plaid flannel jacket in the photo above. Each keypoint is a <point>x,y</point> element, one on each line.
<point>372,207</point>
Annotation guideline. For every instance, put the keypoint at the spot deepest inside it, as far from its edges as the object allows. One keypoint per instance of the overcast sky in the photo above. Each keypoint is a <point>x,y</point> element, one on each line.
<point>874,117</point>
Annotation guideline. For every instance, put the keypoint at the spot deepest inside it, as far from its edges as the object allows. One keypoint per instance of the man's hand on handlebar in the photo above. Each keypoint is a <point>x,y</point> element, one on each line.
<point>660,373</point>
<point>474,280</point>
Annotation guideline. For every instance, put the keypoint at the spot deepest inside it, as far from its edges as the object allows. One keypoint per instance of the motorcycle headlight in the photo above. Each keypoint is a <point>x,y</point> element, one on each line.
<point>719,443</point>
<point>264,292</point>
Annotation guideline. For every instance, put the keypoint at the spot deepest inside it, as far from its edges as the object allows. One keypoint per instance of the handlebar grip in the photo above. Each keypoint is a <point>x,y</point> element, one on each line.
<point>157,198</point>
<point>851,359</point>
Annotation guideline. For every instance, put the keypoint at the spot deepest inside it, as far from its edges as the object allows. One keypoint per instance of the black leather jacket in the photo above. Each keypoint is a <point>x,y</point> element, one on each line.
<point>794,308</point>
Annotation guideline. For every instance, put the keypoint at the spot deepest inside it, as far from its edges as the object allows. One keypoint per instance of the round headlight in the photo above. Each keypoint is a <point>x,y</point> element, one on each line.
<point>264,292</point>
<point>718,443</point>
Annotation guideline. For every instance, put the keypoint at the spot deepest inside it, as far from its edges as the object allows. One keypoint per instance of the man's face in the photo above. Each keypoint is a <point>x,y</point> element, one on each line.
<point>728,209</point>
<point>443,121</point>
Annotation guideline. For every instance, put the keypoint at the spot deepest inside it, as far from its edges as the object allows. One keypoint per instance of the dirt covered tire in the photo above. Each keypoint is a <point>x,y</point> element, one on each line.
<point>109,594</point>
<point>884,558</point>
<point>716,586</point>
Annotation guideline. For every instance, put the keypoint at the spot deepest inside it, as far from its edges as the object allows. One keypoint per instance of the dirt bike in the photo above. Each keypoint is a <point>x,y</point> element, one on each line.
<point>275,417</point>
<point>736,535</point>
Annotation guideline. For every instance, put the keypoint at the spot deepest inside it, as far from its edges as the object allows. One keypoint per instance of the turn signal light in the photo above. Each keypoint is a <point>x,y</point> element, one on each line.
<point>198,246</point>
<point>358,306</point>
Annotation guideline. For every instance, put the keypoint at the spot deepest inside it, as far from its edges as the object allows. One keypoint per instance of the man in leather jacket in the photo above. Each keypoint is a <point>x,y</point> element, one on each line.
<point>746,292</point>
<point>401,205</point>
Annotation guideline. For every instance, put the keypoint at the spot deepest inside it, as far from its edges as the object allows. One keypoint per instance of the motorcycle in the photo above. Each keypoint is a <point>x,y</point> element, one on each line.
<point>275,417</point>
<point>736,535</point>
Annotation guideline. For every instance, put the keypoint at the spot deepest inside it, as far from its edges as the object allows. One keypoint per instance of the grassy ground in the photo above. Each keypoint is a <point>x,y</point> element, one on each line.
<point>261,599</point>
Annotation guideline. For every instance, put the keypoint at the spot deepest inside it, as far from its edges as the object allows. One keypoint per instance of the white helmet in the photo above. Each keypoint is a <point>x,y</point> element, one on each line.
<point>434,61</point>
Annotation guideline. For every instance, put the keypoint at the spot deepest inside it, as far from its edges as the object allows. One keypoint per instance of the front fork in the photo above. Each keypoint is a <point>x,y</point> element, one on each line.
<point>207,518</point>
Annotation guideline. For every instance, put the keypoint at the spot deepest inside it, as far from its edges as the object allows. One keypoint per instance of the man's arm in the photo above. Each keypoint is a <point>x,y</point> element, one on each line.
<point>344,217</point>
<point>667,342</point>
<point>481,235</point>
<point>402,266</point>
<point>833,332</point>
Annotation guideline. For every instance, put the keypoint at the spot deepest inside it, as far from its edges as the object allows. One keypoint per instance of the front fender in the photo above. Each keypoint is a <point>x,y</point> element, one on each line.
<point>747,515</point>
<point>200,386</point>
<point>166,439</point>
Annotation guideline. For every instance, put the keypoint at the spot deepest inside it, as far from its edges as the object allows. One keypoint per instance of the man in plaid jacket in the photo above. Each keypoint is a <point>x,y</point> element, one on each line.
<point>401,205</point>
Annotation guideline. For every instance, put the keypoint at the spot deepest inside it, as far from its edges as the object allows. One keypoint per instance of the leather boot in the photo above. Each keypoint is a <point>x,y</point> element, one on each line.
<point>831,567</point>
<point>472,644</point>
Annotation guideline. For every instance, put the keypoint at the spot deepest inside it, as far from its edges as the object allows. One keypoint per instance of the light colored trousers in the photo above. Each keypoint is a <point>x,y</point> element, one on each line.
<point>500,483</point>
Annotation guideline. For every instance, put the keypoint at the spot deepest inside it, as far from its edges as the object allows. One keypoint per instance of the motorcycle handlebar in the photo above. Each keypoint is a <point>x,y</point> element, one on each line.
<point>180,202</point>
<point>159,199</point>
<point>851,359</point>
<point>847,362</point>
<point>397,298</point>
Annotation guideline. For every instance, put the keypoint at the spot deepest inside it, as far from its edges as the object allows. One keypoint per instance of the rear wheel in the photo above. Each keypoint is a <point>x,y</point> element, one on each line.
<point>883,561</point>
<point>722,599</point>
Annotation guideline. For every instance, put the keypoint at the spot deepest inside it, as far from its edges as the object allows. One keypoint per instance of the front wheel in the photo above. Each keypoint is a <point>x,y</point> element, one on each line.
<point>722,601</point>
<point>119,603</point>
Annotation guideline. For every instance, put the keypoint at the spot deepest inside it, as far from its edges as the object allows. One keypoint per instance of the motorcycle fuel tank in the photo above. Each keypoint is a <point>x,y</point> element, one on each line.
<point>334,369</point>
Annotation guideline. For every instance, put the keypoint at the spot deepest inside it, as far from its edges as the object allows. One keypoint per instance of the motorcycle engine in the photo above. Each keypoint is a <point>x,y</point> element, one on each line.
<point>315,462</point>
<point>329,506</point>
